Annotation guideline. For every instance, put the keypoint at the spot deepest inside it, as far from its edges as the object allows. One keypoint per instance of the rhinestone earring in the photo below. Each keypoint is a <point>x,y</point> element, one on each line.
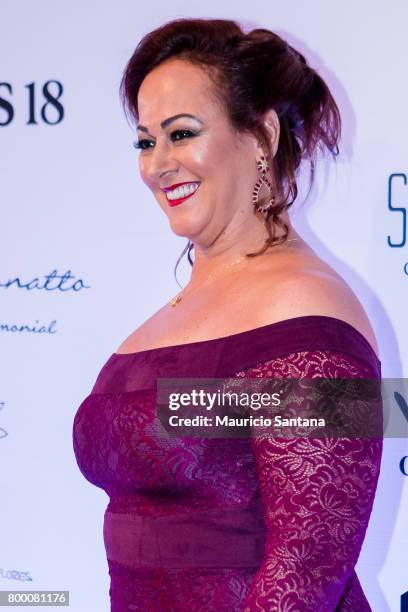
<point>262,196</point>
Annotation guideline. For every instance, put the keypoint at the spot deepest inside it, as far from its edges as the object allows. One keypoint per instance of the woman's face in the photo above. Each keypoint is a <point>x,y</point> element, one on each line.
<point>200,170</point>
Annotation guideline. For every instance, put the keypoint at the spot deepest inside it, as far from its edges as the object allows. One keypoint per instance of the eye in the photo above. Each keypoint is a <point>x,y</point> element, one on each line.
<point>181,134</point>
<point>143,144</point>
<point>175,136</point>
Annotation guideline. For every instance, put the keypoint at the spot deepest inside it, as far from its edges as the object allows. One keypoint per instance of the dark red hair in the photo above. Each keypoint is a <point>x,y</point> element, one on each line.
<point>252,73</point>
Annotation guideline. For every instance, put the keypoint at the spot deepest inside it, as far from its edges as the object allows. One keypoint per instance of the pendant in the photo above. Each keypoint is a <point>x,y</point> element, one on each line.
<point>176,301</point>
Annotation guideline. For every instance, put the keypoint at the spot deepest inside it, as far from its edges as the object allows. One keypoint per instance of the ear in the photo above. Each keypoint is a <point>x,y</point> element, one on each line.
<point>272,125</point>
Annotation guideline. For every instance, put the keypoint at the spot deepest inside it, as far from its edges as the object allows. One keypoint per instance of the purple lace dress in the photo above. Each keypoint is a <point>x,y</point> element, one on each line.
<point>265,524</point>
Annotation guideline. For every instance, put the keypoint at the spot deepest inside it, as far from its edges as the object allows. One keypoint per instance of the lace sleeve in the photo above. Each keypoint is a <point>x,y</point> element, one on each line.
<point>317,496</point>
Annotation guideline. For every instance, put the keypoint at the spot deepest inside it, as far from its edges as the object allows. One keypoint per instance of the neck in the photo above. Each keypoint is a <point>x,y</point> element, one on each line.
<point>231,246</point>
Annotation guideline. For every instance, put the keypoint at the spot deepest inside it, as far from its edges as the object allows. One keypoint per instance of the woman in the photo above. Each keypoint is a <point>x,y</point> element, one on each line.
<point>224,120</point>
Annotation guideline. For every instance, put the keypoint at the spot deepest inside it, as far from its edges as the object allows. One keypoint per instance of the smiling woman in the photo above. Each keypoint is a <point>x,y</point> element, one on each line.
<point>224,119</point>
<point>195,151</point>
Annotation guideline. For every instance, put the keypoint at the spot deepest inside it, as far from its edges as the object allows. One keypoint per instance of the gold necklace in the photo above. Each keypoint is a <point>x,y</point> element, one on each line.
<point>179,296</point>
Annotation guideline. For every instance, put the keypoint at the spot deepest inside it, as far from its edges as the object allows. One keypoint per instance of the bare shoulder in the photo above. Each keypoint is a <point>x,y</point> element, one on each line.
<point>311,287</point>
<point>150,334</point>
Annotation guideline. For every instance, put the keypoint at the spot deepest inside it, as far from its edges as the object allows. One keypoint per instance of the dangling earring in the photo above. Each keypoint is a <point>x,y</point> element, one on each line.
<point>263,189</point>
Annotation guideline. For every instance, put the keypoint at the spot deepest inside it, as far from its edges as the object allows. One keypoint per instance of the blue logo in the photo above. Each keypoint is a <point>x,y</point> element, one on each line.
<point>42,329</point>
<point>53,282</point>
<point>397,209</point>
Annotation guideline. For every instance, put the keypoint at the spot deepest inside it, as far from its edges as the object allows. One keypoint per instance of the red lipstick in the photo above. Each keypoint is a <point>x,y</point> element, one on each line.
<point>180,200</point>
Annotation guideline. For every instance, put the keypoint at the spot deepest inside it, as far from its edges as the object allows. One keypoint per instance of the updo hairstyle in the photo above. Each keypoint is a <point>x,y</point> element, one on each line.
<point>252,73</point>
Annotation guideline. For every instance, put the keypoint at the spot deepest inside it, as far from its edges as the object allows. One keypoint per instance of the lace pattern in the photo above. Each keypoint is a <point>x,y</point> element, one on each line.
<point>316,494</point>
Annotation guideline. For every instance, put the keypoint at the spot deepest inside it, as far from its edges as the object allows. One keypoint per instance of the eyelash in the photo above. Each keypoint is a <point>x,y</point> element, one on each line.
<point>140,143</point>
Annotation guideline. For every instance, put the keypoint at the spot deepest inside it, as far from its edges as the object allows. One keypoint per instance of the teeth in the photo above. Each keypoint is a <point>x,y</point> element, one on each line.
<point>182,191</point>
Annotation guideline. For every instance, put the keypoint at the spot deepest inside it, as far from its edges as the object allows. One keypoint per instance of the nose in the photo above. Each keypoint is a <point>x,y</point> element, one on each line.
<point>160,163</point>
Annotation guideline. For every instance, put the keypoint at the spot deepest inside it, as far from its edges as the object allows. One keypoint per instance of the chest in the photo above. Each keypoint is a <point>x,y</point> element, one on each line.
<point>121,447</point>
<point>210,313</point>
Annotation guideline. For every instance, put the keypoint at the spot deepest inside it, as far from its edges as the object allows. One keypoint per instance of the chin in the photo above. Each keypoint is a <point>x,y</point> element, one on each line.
<point>182,230</point>
<point>186,227</point>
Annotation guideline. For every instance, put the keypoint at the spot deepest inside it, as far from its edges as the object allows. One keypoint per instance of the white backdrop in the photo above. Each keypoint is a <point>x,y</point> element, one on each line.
<point>72,204</point>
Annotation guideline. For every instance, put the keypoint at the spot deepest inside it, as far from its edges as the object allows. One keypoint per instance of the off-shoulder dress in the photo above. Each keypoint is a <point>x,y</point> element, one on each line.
<point>230,524</point>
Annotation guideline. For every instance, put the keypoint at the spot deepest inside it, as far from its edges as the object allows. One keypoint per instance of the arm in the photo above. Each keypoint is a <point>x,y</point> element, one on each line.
<point>317,496</point>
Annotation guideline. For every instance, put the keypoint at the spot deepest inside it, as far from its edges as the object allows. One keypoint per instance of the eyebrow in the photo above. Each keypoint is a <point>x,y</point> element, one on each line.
<point>169,120</point>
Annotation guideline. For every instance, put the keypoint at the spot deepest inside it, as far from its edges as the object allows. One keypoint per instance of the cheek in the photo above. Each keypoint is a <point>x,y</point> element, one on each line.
<point>217,156</point>
<point>143,171</point>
